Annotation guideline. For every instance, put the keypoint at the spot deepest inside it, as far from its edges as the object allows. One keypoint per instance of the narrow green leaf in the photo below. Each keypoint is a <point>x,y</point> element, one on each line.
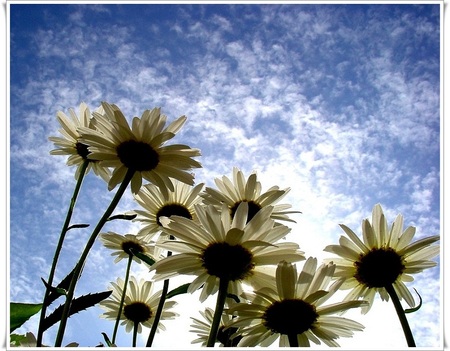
<point>143,257</point>
<point>59,290</point>
<point>21,312</point>
<point>414,309</point>
<point>108,342</point>
<point>234,297</point>
<point>178,291</point>
<point>126,217</point>
<point>74,226</point>
<point>78,304</point>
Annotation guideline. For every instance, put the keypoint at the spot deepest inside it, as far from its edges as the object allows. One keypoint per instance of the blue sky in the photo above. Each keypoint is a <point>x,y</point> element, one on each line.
<point>340,103</point>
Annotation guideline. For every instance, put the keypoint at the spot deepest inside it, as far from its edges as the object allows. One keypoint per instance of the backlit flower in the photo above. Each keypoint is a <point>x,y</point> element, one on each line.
<point>140,148</point>
<point>157,204</point>
<point>384,257</point>
<point>71,145</point>
<point>220,248</point>
<point>139,307</point>
<point>294,310</point>
<point>202,328</point>
<point>124,245</point>
<point>233,192</point>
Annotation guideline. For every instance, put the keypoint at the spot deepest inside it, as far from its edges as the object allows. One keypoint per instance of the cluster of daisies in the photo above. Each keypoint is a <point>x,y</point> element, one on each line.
<point>232,239</point>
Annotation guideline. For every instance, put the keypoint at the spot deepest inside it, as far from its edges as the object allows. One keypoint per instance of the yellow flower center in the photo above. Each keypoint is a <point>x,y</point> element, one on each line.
<point>132,245</point>
<point>379,268</point>
<point>82,150</point>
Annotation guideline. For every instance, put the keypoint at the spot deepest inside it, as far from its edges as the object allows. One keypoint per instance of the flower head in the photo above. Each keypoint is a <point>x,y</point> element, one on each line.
<point>139,148</point>
<point>384,257</point>
<point>139,307</point>
<point>218,248</point>
<point>232,193</point>
<point>202,328</point>
<point>71,145</point>
<point>294,309</point>
<point>158,204</point>
<point>124,245</point>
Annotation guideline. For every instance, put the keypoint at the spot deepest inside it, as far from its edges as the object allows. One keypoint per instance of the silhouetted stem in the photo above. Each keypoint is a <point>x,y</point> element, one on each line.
<point>401,316</point>
<point>90,243</point>
<point>62,236</point>
<point>221,297</point>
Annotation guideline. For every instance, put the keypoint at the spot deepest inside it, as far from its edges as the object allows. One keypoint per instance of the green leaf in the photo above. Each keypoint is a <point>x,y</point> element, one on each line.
<point>414,309</point>
<point>74,226</point>
<point>178,291</point>
<point>21,312</point>
<point>60,289</point>
<point>126,217</point>
<point>108,342</point>
<point>143,257</point>
<point>78,304</point>
<point>234,297</point>
<point>16,339</point>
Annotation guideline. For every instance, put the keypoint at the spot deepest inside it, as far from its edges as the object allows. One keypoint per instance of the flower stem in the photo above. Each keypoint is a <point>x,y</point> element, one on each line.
<point>161,303</point>
<point>90,243</point>
<point>221,296</point>
<point>58,250</point>
<point>293,340</point>
<point>135,332</point>
<point>401,316</point>
<point>124,291</point>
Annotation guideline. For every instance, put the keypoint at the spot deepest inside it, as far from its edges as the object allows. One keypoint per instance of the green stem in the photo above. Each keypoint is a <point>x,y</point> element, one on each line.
<point>90,243</point>
<point>135,332</point>
<point>124,291</point>
<point>293,340</point>
<point>162,301</point>
<point>401,316</point>
<point>220,304</point>
<point>58,250</point>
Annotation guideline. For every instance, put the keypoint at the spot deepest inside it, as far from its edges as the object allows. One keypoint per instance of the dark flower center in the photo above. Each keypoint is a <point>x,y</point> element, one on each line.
<point>127,245</point>
<point>290,316</point>
<point>232,262</point>
<point>137,312</point>
<point>379,267</point>
<point>82,150</point>
<point>137,155</point>
<point>253,209</point>
<point>223,336</point>
<point>173,210</point>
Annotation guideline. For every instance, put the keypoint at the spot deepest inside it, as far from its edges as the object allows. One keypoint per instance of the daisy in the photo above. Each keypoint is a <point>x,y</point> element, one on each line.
<point>71,145</point>
<point>385,258</point>
<point>202,328</point>
<point>159,204</point>
<point>139,306</point>
<point>205,248</point>
<point>123,244</point>
<point>139,149</point>
<point>232,193</point>
<point>294,311</point>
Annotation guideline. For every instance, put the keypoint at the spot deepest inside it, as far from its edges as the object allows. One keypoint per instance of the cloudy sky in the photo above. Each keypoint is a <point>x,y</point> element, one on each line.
<point>340,103</point>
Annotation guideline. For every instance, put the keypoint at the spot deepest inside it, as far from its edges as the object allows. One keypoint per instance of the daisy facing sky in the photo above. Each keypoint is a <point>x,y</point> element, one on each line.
<point>140,305</point>
<point>204,249</point>
<point>385,257</point>
<point>140,148</point>
<point>293,310</point>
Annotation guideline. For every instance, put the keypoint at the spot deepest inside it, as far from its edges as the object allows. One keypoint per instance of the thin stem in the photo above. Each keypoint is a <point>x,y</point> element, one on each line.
<point>124,291</point>
<point>135,332</point>
<point>90,243</point>
<point>293,340</point>
<point>162,301</point>
<point>221,297</point>
<point>401,316</point>
<point>62,236</point>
